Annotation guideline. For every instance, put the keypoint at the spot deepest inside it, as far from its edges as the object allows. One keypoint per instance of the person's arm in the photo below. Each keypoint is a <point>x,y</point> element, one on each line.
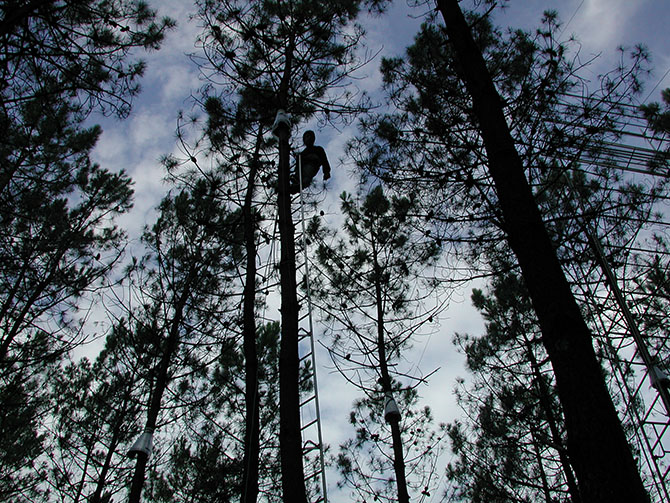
<point>324,162</point>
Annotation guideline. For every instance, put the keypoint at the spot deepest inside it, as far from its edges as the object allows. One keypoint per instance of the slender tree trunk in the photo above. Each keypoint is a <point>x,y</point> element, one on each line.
<point>102,479</point>
<point>399,462</point>
<point>601,456</point>
<point>556,437</point>
<point>543,473</point>
<point>84,470</point>
<point>113,443</point>
<point>398,456</point>
<point>252,422</point>
<point>162,380</point>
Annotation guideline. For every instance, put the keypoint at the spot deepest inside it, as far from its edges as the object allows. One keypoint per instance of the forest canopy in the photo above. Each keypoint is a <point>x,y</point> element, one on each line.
<point>259,342</point>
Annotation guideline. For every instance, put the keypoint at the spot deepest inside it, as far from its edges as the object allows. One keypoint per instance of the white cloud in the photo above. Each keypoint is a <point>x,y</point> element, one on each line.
<point>150,131</point>
<point>600,24</point>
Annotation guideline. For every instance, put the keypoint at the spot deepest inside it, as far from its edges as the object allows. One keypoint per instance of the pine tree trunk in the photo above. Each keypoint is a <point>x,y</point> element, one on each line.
<point>552,421</point>
<point>398,456</point>
<point>290,441</point>
<point>113,443</point>
<point>252,430</point>
<point>399,462</point>
<point>138,478</point>
<point>543,474</point>
<point>162,380</point>
<point>602,459</point>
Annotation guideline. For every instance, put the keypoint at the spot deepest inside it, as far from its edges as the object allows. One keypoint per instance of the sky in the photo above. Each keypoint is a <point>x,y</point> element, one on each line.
<point>137,144</point>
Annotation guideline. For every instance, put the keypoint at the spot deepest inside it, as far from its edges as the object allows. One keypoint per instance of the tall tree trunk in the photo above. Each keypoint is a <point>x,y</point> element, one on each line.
<point>252,422</point>
<point>602,459</point>
<point>290,440</point>
<point>138,478</point>
<point>162,380</point>
<point>398,456</point>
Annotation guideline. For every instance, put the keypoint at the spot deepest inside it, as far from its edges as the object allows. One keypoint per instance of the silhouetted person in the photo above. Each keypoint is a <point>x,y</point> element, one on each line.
<point>311,158</point>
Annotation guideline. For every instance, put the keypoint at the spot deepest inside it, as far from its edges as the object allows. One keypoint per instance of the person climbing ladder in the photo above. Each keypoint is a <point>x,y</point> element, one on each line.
<point>310,160</point>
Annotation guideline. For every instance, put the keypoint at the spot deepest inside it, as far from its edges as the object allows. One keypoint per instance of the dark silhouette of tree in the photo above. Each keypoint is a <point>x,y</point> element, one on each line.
<point>184,293</point>
<point>600,454</point>
<point>469,145</point>
<point>60,61</point>
<point>78,52</point>
<point>293,56</point>
<point>235,144</point>
<point>368,287</point>
<point>200,470</point>
<point>657,116</point>
<point>22,437</point>
<point>513,446</point>
<point>96,413</point>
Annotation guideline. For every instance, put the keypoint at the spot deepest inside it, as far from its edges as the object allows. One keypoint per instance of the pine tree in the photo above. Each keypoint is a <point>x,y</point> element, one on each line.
<point>235,144</point>
<point>293,56</point>
<point>59,62</point>
<point>600,454</point>
<point>513,449</point>
<point>95,416</point>
<point>184,308</point>
<point>367,288</point>
<point>446,139</point>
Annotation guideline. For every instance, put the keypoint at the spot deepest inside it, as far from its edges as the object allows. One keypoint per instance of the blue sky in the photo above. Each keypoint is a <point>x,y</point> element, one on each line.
<point>136,144</point>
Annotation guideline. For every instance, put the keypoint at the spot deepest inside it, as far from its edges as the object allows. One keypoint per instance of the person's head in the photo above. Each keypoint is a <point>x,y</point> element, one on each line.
<point>308,138</point>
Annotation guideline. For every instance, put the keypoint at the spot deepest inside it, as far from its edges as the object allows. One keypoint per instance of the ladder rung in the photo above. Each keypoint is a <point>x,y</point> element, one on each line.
<point>303,428</point>
<point>313,474</point>
<point>308,400</point>
<point>309,446</point>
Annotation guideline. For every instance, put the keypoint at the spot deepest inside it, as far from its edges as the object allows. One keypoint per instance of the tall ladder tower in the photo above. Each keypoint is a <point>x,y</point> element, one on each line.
<point>310,411</point>
<point>637,358</point>
<point>643,388</point>
<point>297,366</point>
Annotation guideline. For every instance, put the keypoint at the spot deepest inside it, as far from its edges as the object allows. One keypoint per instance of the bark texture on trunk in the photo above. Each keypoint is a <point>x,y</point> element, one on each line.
<point>598,449</point>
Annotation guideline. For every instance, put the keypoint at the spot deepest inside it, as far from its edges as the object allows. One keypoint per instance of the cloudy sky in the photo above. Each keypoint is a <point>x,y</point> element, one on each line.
<point>136,144</point>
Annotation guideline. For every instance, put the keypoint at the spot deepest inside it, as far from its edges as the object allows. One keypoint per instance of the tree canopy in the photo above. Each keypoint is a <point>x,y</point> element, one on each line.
<point>484,156</point>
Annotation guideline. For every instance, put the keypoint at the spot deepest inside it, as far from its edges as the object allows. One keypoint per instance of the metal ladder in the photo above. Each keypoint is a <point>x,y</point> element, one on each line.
<point>310,413</point>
